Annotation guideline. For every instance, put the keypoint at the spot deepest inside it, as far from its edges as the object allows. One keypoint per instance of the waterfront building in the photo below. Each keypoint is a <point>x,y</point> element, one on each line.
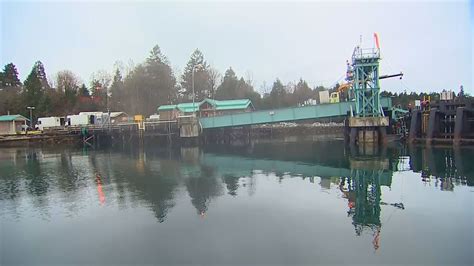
<point>11,124</point>
<point>205,108</point>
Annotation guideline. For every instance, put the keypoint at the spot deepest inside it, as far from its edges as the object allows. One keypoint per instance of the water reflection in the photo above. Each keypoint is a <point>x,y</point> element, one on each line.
<point>445,167</point>
<point>203,187</point>
<point>363,193</point>
<point>152,177</point>
<point>99,189</point>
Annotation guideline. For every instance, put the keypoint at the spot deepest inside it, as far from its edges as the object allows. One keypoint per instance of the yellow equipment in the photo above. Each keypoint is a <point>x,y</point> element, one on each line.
<point>335,96</point>
<point>138,118</point>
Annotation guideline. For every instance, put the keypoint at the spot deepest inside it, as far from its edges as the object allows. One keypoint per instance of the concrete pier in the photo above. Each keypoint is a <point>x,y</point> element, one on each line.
<point>368,129</point>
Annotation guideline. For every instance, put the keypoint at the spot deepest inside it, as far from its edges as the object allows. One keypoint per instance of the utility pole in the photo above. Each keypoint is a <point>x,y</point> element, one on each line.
<point>107,105</point>
<point>194,67</point>
<point>31,108</point>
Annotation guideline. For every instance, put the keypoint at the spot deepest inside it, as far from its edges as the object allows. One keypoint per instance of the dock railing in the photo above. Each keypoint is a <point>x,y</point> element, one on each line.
<point>365,53</point>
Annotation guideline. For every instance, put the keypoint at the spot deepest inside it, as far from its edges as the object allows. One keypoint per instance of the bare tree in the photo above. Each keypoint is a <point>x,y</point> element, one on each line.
<point>65,80</point>
<point>249,78</point>
<point>290,87</point>
<point>103,77</point>
<point>129,67</point>
<point>264,88</point>
<point>215,78</point>
<point>51,81</point>
<point>120,66</point>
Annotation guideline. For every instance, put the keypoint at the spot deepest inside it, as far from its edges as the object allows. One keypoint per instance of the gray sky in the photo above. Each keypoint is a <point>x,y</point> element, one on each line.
<point>431,42</point>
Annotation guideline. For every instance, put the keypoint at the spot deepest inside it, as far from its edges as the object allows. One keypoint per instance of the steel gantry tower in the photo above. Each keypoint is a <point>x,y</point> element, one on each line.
<point>367,122</point>
<point>366,88</point>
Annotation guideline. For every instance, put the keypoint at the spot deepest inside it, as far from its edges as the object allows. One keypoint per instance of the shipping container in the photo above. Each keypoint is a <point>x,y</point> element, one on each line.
<point>323,97</point>
<point>77,120</point>
<point>49,122</point>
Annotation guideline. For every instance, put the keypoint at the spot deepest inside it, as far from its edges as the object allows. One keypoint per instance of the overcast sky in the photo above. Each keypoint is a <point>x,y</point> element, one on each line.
<point>431,42</point>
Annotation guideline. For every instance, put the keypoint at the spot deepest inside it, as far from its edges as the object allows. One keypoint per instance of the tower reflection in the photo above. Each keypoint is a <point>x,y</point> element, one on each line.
<point>362,190</point>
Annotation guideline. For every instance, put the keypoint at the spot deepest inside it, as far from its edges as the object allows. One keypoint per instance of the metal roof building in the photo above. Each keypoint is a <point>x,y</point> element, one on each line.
<point>207,107</point>
<point>11,124</point>
<point>189,107</point>
<point>229,104</point>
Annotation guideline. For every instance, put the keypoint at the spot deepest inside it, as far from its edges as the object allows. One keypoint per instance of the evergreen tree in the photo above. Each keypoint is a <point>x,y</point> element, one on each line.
<point>302,92</point>
<point>278,94</point>
<point>10,88</point>
<point>9,77</point>
<point>98,95</point>
<point>149,85</point>
<point>11,100</point>
<point>247,92</point>
<point>157,57</point>
<point>85,101</point>
<point>45,106</point>
<point>202,84</point>
<point>41,74</point>
<point>2,79</point>
<point>135,86</point>
<point>234,88</point>
<point>83,91</point>
<point>461,92</point>
<point>33,90</point>
<point>117,82</point>
<point>161,78</point>
<point>117,90</point>
<point>229,86</point>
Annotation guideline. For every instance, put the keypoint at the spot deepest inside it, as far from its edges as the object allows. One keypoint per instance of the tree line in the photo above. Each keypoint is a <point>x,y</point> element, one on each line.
<point>144,87</point>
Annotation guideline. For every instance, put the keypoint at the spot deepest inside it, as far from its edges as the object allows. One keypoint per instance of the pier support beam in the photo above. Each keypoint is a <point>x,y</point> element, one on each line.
<point>189,127</point>
<point>353,135</point>
<point>415,125</point>
<point>382,131</point>
<point>433,125</point>
<point>461,125</point>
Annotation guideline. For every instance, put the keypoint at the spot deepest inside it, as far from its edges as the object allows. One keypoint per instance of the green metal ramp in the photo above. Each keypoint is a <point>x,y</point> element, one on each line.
<point>283,115</point>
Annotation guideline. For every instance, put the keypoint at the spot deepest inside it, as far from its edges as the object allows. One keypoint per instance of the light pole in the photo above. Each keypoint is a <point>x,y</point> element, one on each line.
<point>31,108</point>
<point>194,67</point>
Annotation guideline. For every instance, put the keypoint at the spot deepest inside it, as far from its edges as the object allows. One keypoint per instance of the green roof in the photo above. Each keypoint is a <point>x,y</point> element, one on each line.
<point>210,101</point>
<point>217,104</point>
<point>13,118</point>
<point>189,107</point>
<point>167,107</point>
<point>229,104</point>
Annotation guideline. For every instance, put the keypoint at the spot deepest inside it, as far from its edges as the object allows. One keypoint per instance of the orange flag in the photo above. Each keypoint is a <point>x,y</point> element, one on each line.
<point>376,36</point>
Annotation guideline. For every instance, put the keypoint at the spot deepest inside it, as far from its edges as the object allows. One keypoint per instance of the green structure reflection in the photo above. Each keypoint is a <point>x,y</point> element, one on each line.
<point>151,176</point>
<point>363,192</point>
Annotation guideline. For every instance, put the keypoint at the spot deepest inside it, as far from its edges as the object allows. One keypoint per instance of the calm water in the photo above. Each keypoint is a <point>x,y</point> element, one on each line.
<point>269,203</point>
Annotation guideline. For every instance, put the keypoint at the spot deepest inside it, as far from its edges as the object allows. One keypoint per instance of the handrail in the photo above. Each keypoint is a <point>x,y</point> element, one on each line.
<point>161,122</point>
<point>364,53</point>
